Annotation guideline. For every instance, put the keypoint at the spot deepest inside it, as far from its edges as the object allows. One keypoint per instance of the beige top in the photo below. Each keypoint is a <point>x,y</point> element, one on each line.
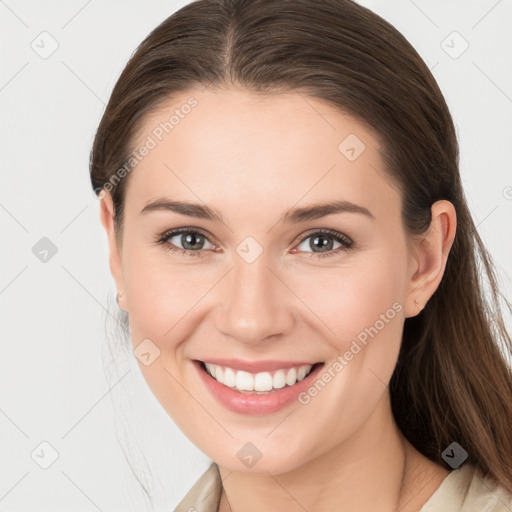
<point>465,489</point>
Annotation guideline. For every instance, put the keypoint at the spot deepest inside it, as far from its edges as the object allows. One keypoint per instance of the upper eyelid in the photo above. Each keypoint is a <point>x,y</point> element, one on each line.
<point>178,231</point>
<point>324,231</point>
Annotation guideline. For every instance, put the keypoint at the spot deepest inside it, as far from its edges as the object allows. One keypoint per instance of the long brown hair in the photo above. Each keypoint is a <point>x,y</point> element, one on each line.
<point>452,381</point>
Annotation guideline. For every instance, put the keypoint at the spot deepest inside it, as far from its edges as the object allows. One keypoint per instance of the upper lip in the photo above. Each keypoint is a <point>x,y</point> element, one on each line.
<point>257,366</point>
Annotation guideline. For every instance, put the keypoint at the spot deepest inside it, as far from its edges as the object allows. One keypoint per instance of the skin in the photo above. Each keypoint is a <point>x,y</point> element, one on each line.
<point>253,157</point>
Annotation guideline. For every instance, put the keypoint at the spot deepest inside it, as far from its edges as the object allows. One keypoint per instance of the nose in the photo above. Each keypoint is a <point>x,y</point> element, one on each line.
<point>255,303</point>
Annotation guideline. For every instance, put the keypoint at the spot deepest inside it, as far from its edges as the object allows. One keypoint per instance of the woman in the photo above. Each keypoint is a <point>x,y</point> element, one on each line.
<point>289,236</point>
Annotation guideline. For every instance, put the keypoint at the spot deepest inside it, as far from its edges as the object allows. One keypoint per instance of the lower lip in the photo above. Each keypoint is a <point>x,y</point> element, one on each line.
<point>256,405</point>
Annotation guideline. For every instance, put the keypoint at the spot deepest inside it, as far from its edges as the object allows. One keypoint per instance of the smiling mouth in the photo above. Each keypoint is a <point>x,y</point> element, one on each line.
<point>258,383</point>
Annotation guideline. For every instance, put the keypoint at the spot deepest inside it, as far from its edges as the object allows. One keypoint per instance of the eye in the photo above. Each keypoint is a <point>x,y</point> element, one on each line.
<point>191,242</point>
<point>323,240</point>
<point>187,241</point>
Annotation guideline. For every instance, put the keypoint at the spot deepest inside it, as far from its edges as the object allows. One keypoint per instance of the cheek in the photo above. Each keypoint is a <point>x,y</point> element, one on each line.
<point>356,297</point>
<point>362,315</point>
<point>165,307</point>
<point>163,295</point>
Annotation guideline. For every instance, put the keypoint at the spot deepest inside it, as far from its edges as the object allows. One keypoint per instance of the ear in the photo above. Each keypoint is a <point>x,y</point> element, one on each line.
<point>115,261</point>
<point>429,255</point>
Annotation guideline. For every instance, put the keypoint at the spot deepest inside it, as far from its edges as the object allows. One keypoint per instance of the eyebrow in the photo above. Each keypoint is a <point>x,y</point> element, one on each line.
<point>319,210</point>
<point>295,215</point>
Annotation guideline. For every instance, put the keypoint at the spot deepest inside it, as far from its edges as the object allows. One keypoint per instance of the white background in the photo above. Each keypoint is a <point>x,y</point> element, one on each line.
<point>53,386</point>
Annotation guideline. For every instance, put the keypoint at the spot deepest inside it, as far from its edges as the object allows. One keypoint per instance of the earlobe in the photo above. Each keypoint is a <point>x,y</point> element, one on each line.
<point>431,253</point>
<point>107,220</point>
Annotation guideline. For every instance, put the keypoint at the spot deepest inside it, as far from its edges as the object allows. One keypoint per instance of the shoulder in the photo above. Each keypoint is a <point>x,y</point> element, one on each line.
<point>467,489</point>
<point>204,495</point>
<point>486,495</point>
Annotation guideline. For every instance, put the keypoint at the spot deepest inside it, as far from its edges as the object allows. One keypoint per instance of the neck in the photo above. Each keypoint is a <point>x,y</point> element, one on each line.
<point>374,469</point>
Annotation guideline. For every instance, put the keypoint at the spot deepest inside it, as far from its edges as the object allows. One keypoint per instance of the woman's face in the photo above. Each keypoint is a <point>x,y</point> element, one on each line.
<point>264,284</point>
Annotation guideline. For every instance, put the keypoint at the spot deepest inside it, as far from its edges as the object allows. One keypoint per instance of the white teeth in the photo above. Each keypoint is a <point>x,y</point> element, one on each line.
<point>244,381</point>
<point>219,374</point>
<point>260,382</point>
<point>263,381</point>
<point>301,373</point>
<point>291,377</point>
<point>229,378</point>
<point>279,380</point>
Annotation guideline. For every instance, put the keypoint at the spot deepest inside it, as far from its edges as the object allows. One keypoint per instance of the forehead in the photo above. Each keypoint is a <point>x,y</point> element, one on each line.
<point>243,149</point>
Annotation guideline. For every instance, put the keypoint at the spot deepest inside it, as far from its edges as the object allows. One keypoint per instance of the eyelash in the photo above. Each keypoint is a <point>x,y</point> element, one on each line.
<point>162,239</point>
